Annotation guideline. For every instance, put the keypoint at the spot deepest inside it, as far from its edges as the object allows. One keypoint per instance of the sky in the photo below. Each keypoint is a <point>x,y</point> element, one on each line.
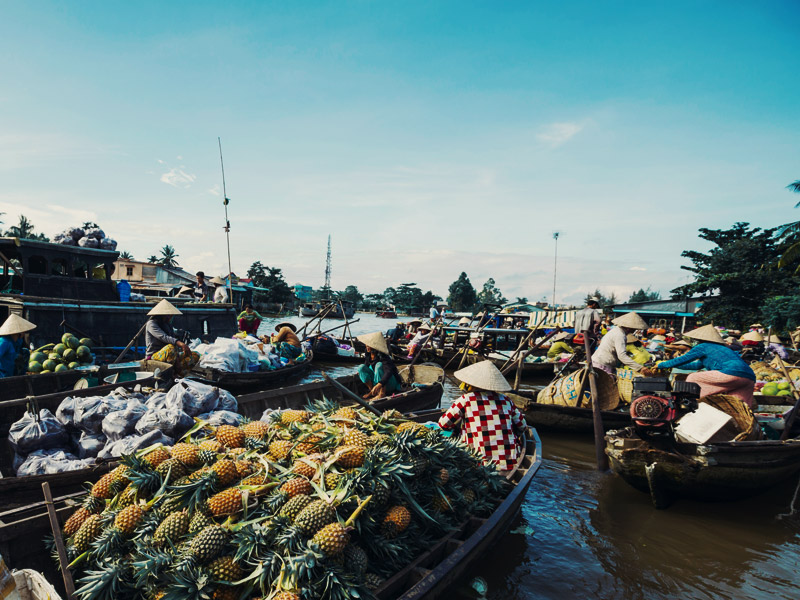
<point>427,138</point>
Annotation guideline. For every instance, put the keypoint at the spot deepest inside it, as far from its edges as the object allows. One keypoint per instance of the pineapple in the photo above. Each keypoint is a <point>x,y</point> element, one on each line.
<point>207,456</point>
<point>256,429</point>
<point>127,496</point>
<point>227,502</point>
<point>356,559</point>
<point>419,465</point>
<point>226,592</point>
<point>296,486</point>
<point>187,454</point>
<point>102,489</point>
<point>225,569</point>
<point>226,472</point>
<point>373,581</point>
<point>349,457</point>
<point>75,521</point>
<point>173,467</point>
<point>230,436</point>
<point>440,503</point>
<point>199,521</point>
<point>332,539</point>
<point>332,480</point>
<point>376,439</point>
<point>207,544</point>
<point>469,496</point>
<point>355,437</point>
<point>418,428</point>
<point>157,456</point>
<point>345,414</point>
<point>244,467</point>
<point>315,516</point>
<point>443,477</point>
<point>129,518</point>
<point>87,533</point>
<point>172,528</point>
<point>290,416</point>
<point>294,506</point>
<point>280,448</point>
<point>212,445</point>
<point>396,521</point>
<point>304,468</point>
<point>285,596</point>
<point>259,478</point>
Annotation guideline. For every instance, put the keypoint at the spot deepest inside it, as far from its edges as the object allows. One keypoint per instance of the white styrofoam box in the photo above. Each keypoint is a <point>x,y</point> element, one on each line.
<point>700,426</point>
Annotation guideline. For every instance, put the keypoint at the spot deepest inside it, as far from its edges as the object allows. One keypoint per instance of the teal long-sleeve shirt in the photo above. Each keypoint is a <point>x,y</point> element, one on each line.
<point>713,357</point>
<point>8,354</point>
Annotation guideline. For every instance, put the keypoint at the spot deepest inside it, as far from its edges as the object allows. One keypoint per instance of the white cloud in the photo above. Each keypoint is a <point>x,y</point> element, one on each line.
<point>177,177</point>
<point>637,269</point>
<point>556,134</point>
<point>215,190</point>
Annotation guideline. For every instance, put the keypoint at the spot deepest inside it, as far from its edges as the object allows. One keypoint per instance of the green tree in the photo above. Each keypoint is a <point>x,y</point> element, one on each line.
<point>168,257</point>
<point>25,230</point>
<point>270,278</point>
<point>738,274</point>
<point>642,295</point>
<point>373,301</point>
<point>522,300</point>
<point>790,236</point>
<point>781,313</point>
<point>351,294</point>
<point>125,255</point>
<point>462,296</point>
<point>605,301</point>
<point>257,274</point>
<point>490,294</point>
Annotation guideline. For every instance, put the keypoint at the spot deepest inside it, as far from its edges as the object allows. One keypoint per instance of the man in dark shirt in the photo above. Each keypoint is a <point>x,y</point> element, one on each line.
<point>200,291</point>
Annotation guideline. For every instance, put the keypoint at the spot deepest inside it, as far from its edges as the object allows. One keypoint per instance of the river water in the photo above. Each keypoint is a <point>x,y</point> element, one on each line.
<point>585,534</point>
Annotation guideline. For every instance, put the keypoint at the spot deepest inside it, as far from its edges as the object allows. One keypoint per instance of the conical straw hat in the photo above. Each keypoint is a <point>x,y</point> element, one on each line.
<point>15,324</point>
<point>774,339</point>
<point>756,325</point>
<point>659,338</point>
<point>561,336</point>
<point>375,341</point>
<point>164,308</point>
<point>217,281</point>
<point>483,375</point>
<point>184,289</point>
<point>706,333</point>
<point>424,326</point>
<point>753,336</point>
<point>631,320</point>
<point>631,339</point>
<point>464,321</point>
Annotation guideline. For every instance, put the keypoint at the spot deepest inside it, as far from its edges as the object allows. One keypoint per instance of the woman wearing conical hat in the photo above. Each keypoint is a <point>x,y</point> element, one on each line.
<point>378,372</point>
<point>612,351</point>
<point>775,345</point>
<point>12,334</point>
<point>726,372</point>
<point>488,419</point>
<point>163,341</point>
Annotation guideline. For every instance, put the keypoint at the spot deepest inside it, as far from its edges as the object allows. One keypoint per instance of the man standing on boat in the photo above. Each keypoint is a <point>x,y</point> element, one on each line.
<point>612,350</point>
<point>587,321</point>
<point>434,314</point>
<point>200,291</point>
<point>11,340</point>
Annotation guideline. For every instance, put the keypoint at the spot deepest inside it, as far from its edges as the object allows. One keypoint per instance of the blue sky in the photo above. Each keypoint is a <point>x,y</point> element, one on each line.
<point>426,138</point>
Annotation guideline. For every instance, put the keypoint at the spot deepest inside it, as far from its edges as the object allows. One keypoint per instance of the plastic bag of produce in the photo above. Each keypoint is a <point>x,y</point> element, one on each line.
<point>37,432</point>
<point>89,445</point>
<point>227,401</point>
<point>90,412</point>
<point>192,397</point>
<point>172,422</point>
<point>64,239</point>
<point>157,400</point>
<point>222,417</point>
<point>132,443</point>
<point>223,355</point>
<point>122,423</point>
<point>108,244</point>
<point>48,462</point>
<point>95,232</point>
<point>75,233</point>
<point>66,411</point>
<point>87,242</point>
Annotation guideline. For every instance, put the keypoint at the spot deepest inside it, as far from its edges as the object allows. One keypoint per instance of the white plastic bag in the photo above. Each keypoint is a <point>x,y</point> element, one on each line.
<point>48,462</point>
<point>37,432</point>
<point>122,423</point>
<point>222,417</point>
<point>89,445</point>
<point>173,423</point>
<point>222,355</point>
<point>130,444</point>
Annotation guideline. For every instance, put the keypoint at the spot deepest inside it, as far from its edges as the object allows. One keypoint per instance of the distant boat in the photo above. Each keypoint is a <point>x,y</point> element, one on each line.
<point>386,314</point>
<point>312,309</point>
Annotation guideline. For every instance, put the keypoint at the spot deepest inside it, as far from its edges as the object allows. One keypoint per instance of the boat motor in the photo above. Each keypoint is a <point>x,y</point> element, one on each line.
<point>657,404</point>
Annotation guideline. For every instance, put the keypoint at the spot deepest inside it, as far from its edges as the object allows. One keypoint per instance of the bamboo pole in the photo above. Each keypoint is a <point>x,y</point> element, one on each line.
<point>533,349</point>
<point>351,394</point>
<point>69,585</point>
<point>597,418</point>
<point>131,343</point>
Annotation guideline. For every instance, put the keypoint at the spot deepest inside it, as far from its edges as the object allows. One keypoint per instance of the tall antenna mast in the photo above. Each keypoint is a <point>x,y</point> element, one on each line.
<point>227,227</point>
<point>555,266</point>
<point>328,270</point>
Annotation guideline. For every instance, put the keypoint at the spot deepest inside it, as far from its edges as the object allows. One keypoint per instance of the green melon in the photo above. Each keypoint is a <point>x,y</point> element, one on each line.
<point>49,365</point>
<point>55,357</point>
<point>34,367</point>
<point>73,342</point>
<point>784,385</point>
<point>60,369</point>
<point>59,349</point>
<point>39,357</point>
<point>69,355</point>
<point>784,393</point>
<point>65,337</point>
<point>86,342</point>
<point>74,365</point>
<point>83,353</point>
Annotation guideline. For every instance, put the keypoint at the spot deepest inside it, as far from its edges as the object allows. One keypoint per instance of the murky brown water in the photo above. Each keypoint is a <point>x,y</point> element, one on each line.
<point>584,534</point>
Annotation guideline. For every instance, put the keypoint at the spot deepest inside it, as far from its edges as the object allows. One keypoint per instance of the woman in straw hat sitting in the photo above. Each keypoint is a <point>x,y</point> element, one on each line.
<point>726,372</point>
<point>287,342</point>
<point>488,419</point>
<point>612,350</point>
<point>775,345</point>
<point>163,341</point>
<point>11,341</point>
<point>560,345</point>
<point>423,331</point>
<point>378,372</point>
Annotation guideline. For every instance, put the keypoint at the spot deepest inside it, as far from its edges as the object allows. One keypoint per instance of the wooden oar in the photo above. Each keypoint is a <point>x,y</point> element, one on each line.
<point>352,395</point>
<point>131,343</point>
<point>320,314</point>
<point>597,418</point>
<point>332,329</point>
<point>69,585</point>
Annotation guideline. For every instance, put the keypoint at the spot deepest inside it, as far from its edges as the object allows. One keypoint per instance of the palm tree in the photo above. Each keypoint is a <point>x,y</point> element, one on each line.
<point>125,255</point>
<point>24,230</point>
<point>152,259</point>
<point>790,232</point>
<point>168,256</point>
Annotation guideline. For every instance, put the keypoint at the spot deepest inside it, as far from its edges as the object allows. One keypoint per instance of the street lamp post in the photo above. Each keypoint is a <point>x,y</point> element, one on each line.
<point>555,266</point>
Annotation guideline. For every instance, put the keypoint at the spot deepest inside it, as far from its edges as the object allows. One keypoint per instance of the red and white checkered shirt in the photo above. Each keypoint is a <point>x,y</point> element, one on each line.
<point>489,420</point>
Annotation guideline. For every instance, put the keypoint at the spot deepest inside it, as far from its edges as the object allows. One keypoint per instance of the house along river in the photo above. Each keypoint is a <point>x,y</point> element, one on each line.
<point>584,534</point>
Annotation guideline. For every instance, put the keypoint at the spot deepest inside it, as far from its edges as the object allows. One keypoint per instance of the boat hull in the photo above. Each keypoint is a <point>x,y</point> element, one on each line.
<point>712,472</point>
<point>568,419</point>
<point>239,383</point>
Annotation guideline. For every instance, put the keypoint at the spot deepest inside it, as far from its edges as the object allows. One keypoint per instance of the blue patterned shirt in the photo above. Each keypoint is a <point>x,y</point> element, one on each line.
<point>713,357</point>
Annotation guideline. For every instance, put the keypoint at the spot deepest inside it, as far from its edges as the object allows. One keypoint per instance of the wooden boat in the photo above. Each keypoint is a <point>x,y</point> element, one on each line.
<point>719,471</point>
<point>386,314</point>
<point>43,384</point>
<point>570,419</point>
<point>423,390</point>
<point>251,381</point>
<point>452,358</point>
<point>430,576</point>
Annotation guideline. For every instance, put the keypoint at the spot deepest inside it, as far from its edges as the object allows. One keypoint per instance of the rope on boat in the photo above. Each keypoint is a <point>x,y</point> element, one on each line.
<point>792,509</point>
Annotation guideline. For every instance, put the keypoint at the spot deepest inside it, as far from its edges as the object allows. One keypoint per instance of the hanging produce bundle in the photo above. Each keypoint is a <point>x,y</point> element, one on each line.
<point>323,503</point>
<point>70,353</point>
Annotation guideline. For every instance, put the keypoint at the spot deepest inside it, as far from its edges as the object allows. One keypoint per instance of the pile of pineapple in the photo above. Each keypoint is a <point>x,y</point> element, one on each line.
<point>320,503</point>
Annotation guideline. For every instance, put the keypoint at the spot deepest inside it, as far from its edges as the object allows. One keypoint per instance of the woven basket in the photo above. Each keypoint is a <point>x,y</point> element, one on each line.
<point>625,379</point>
<point>745,420</point>
<point>565,391</point>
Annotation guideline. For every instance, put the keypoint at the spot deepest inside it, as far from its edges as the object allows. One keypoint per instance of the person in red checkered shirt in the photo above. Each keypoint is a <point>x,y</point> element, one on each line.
<point>489,421</point>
